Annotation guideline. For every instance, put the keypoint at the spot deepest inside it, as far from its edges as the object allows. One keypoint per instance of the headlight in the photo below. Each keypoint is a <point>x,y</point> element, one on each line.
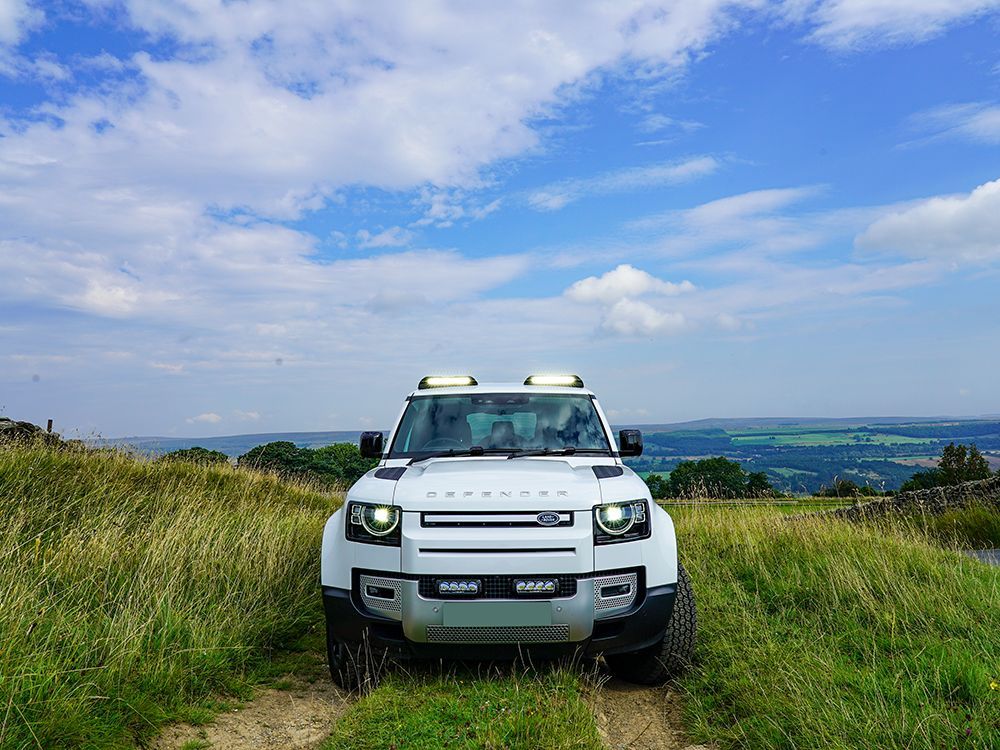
<point>620,522</point>
<point>374,524</point>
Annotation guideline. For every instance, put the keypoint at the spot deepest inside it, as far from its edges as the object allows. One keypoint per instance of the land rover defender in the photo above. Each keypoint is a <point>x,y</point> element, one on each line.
<point>501,520</point>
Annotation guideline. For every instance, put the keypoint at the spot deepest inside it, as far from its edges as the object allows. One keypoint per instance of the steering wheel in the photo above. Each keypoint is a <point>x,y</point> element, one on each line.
<point>442,444</point>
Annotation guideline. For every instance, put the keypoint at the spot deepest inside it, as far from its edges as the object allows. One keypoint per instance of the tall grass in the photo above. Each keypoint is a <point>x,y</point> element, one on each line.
<point>131,590</point>
<point>818,634</point>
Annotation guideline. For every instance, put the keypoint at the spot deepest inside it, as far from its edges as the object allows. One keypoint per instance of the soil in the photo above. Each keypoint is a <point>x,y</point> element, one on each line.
<point>634,717</point>
<point>296,718</point>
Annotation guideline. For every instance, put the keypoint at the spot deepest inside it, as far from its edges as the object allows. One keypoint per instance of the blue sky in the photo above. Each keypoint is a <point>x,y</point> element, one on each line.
<point>255,216</point>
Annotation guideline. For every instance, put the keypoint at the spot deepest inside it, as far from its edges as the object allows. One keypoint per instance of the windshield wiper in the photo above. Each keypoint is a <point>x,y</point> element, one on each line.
<point>569,450</point>
<point>475,450</point>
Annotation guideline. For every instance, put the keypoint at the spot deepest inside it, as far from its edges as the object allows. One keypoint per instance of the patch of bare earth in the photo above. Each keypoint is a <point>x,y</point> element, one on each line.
<point>633,717</point>
<point>296,718</point>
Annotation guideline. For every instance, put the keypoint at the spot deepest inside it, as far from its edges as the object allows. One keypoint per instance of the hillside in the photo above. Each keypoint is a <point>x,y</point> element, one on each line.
<point>132,591</point>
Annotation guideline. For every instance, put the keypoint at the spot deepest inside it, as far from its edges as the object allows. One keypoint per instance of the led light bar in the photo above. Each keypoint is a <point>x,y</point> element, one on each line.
<point>566,381</point>
<point>458,587</point>
<point>544,586</point>
<point>445,381</point>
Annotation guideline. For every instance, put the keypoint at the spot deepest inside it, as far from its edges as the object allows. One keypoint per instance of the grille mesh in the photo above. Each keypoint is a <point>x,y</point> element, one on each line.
<point>613,602</point>
<point>502,634</point>
<point>375,602</point>
<point>500,587</point>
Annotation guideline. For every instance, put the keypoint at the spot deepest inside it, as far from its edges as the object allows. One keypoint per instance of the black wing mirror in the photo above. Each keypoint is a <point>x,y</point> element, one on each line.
<point>371,444</point>
<point>630,442</point>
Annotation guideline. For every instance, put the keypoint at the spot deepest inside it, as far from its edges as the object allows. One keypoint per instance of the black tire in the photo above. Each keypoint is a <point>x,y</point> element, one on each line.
<point>353,666</point>
<point>672,655</point>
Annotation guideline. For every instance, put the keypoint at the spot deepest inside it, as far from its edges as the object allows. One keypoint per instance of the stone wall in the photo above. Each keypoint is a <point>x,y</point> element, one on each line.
<point>925,502</point>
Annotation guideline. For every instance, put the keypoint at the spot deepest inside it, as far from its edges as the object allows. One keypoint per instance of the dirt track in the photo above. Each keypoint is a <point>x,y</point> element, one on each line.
<point>632,717</point>
<point>297,718</point>
<point>301,717</point>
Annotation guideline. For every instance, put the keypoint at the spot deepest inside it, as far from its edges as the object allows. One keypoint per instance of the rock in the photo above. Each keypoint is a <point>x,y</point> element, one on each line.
<point>933,502</point>
<point>25,432</point>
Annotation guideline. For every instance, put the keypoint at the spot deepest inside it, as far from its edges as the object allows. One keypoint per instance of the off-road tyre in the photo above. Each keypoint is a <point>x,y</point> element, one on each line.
<point>353,666</point>
<point>672,655</point>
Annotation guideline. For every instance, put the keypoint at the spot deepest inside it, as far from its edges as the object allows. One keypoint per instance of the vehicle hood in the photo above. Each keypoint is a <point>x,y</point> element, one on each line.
<point>492,484</point>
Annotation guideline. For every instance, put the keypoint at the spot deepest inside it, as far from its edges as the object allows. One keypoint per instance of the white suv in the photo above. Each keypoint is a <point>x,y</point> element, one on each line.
<point>500,520</point>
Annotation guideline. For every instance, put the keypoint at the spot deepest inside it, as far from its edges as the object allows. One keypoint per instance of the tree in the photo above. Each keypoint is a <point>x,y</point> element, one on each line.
<point>716,478</point>
<point>758,485</point>
<point>846,488</point>
<point>340,463</point>
<point>281,457</point>
<point>196,455</point>
<point>958,463</point>
<point>659,486</point>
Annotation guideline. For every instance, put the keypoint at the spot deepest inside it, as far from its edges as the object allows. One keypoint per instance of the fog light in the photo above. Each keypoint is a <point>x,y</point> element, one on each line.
<point>462,587</point>
<point>544,586</point>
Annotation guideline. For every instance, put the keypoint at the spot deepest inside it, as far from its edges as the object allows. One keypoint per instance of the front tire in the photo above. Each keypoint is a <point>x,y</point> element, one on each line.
<point>353,666</point>
<point>673,653</point>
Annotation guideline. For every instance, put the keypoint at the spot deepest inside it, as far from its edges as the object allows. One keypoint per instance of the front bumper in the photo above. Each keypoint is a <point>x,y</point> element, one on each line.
<point>411,624</point>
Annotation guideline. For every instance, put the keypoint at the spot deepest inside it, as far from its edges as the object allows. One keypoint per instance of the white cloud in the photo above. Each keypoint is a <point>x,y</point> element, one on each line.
<point>207,418</point>
<point>637,318</point>
<point>971,121</point>
<point>391,237</point>
<point>247,416</point>
<point>846,24</point>
<point>957,227</point>
<point>621,282</point>
<point>559,194</point>
<point>657,122</point>
<point>174,368</point>
<point>16,16</point>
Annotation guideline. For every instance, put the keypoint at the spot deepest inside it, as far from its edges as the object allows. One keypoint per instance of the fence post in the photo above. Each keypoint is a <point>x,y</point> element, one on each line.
<point>48,428</point>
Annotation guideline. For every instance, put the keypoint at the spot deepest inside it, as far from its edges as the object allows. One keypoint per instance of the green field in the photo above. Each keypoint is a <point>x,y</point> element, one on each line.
<point>808,438</point>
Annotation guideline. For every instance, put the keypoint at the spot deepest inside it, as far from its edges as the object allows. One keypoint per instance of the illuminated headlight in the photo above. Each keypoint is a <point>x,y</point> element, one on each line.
<point>374,524</point>
<point>620,522</point>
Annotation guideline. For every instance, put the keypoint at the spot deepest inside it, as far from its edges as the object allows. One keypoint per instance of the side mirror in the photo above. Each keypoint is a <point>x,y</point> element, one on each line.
<point>371,444</point>
<point>630,442</point>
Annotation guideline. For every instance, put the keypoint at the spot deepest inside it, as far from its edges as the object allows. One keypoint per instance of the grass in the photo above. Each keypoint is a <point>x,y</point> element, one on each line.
<point>133,591</point>
<point>975,527</point>
<point>491,710</point>
<point>820,437</point>
<point>816,633</point>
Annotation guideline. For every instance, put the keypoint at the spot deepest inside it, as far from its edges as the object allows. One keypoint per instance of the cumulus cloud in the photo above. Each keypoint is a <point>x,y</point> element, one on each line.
<point>617,293</point>
<point>630,317</point>
<point>560,194</point>
<point>844,24</point>
<point>209,417</point>
<point>621,282</point>
<point>955,227</point>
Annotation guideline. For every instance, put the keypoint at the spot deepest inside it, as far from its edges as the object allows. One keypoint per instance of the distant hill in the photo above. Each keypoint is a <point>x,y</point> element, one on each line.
<point>232,445</point>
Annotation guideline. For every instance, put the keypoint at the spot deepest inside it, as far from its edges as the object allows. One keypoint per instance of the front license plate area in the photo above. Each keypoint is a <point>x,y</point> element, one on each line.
<point>498,614</point>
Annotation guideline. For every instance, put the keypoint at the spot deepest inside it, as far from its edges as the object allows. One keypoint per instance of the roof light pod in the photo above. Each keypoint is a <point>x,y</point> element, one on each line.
<point>565,381</point>
<point>445,381</point>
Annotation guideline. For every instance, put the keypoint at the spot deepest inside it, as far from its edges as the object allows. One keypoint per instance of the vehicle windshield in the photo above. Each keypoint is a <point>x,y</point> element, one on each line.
<point>500,422</point>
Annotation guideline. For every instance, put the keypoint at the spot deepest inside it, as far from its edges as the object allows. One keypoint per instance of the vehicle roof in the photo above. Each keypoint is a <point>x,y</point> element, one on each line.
<point>461,390</point>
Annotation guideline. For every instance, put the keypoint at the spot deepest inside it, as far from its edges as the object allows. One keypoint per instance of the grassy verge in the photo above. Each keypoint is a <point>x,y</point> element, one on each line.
<point>975,527</point>
<point>816,633</point>
<point>132,591</point>
<point>494,710</point>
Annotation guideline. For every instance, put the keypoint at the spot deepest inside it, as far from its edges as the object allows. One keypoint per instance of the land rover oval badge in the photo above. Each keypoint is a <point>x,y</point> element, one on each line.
<point>547,518</point>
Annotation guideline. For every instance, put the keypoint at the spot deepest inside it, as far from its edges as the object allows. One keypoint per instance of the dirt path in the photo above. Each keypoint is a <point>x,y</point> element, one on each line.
<point>298,718</point>
<point>632,717</point>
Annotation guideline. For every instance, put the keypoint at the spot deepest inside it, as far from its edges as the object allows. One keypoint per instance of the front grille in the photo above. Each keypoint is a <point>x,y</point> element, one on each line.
<point>500,634</point>
<point>501,587</point>
<point>495,520</point>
